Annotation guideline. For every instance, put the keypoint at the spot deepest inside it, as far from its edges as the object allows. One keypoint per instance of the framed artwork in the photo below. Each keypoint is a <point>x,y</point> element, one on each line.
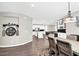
<point>10,29</point>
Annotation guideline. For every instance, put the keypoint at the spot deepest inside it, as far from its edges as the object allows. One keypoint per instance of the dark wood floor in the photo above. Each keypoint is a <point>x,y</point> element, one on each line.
<point>23,50</point>
<point>40,47</point>
<point>35,48</point>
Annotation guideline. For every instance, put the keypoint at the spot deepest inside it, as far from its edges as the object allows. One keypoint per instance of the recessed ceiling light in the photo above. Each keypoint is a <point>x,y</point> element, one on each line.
<point>32,5</point>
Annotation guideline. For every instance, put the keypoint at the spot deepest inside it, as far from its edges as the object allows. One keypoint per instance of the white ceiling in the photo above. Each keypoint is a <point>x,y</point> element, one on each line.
<point>41,12</point>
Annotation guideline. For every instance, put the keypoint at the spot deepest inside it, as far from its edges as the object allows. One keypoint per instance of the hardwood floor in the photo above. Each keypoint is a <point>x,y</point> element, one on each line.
<point>23,50</point>
<point>38,47</point>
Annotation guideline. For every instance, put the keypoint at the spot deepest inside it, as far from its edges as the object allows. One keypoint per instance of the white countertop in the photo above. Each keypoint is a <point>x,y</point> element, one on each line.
<point>74,44</point>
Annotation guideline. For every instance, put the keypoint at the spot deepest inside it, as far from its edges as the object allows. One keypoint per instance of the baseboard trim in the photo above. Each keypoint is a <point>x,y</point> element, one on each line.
<point>15,45</point>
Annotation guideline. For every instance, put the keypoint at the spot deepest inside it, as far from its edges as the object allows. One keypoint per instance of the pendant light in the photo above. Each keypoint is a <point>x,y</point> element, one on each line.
<point>69,11</point>
<point>69,17</point>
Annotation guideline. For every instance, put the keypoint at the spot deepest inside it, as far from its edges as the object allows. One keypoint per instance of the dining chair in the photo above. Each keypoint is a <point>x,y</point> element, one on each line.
<point>52,46</point>
<point>64,48</point>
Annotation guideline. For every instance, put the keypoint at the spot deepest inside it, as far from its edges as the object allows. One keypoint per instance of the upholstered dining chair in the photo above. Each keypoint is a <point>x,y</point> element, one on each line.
<point>64,48</point>
<point>52,46</point>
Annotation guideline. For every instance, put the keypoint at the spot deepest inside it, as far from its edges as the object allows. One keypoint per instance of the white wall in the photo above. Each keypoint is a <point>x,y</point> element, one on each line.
<point>25,31</point>
<point>71,27</point>
<point>51,28</point>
